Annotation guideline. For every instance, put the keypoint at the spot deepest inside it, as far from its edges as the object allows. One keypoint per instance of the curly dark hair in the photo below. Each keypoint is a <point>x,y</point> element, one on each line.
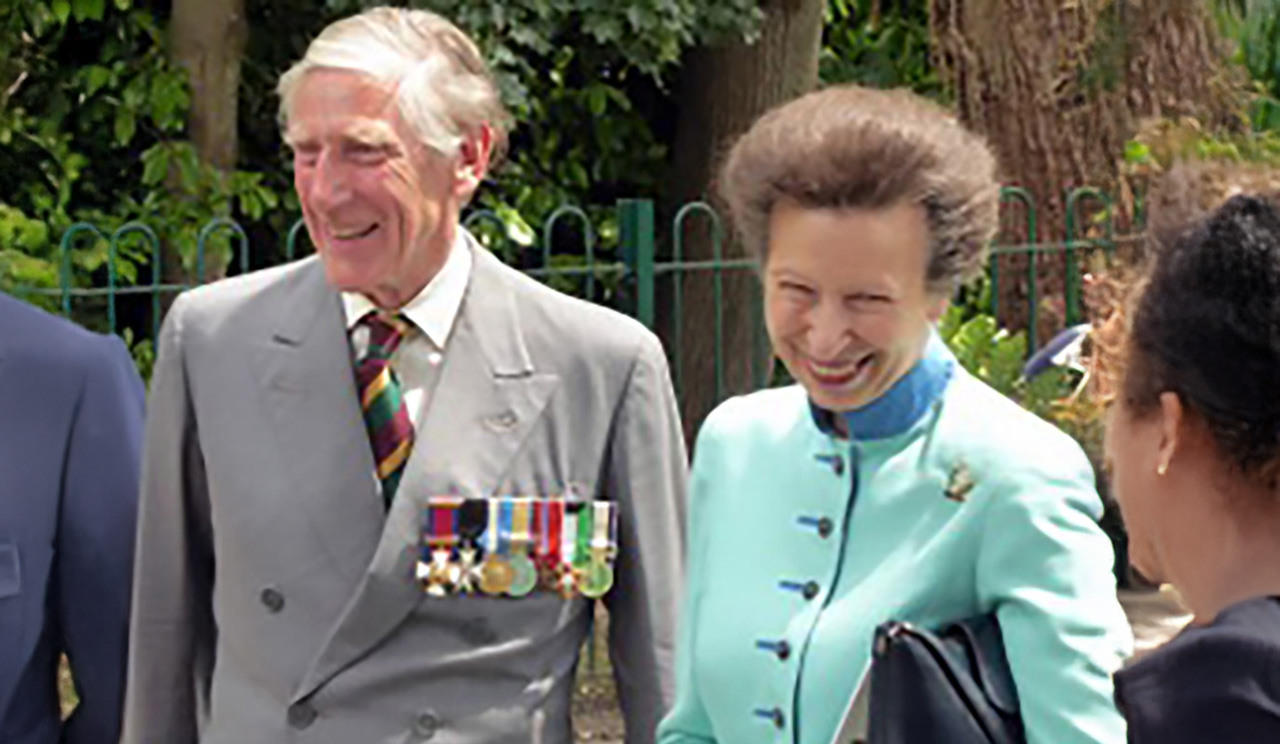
<point>1205,324</point>
<point>853,147</point>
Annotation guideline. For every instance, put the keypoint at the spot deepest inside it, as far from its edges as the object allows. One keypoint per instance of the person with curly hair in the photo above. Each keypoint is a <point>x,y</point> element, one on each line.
<point>1191,363</point>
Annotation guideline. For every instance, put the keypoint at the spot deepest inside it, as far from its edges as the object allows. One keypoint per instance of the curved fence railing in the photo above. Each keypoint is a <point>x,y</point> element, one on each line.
<point>676,277</point>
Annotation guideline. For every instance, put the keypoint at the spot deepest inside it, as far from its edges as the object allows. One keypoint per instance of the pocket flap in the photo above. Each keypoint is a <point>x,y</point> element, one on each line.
<point>10,571</point>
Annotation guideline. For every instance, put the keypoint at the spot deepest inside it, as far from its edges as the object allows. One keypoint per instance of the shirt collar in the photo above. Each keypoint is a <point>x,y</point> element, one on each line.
<point>903,404</point>
<point>436,307</point>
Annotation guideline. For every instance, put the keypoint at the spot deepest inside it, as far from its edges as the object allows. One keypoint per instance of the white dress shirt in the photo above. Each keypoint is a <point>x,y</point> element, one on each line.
<point>433,311</point>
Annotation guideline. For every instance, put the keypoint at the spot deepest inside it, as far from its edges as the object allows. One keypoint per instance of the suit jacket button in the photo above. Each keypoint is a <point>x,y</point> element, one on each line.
<point>272,599</point>
<point>301,715</point>
<point>779,720</point>
<point>783,650</point>
<point>825,527</point>
<point>426,725</point>
<point>811,590</point>
<point>478,632</point>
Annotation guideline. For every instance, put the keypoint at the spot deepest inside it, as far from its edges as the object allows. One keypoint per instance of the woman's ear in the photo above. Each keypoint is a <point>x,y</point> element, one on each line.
<point>1172,415</point>
<point>937,307</point>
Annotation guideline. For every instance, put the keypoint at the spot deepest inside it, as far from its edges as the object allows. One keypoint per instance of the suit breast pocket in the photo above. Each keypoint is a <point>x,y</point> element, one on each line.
<point>10,571</point>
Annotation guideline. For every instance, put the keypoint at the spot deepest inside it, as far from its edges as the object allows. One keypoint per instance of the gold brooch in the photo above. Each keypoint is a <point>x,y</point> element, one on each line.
<point>960,483</point>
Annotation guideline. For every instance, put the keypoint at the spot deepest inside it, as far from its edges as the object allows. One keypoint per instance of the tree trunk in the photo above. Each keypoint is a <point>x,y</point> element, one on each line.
<point>1059,88</point>
<point>207,38</point>
<point>721,91</point>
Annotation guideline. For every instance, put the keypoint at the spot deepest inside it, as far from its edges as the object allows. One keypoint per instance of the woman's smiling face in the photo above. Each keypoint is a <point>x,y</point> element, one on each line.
<point>847,305</point>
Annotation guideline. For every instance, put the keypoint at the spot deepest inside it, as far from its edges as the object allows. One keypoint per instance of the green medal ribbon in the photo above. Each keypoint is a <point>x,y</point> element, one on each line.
<point>598,574</point>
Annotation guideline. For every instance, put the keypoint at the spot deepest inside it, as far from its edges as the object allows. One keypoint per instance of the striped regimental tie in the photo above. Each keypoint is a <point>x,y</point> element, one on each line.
<point>386,416</point>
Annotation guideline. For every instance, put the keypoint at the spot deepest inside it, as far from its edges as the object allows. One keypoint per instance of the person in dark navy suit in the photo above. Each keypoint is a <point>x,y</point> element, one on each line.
<point>1193,441</point>
<point>71,410</point>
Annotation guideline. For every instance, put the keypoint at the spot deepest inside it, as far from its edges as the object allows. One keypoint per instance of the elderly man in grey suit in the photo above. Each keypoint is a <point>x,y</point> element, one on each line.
<point>382,487</point>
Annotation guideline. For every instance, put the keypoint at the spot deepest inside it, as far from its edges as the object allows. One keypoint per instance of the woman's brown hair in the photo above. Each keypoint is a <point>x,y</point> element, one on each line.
<point>855,147</point>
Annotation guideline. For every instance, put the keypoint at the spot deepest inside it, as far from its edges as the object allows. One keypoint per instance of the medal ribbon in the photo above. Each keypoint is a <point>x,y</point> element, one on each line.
<point>443,522</point>
<point>604,537</point>
<point>582,549</point>
<point>493,528</point>
<point>569,536</point>
<point>521,517</point>
<point>536,529</point>
<point>552,529</point>
<point>506,519</point>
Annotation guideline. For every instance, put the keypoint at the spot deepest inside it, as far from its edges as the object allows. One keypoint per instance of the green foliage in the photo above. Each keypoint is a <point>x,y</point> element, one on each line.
<point>1161,143</point>
<point>588,82</point>
<point>24,243</point>
<point>889,52</point>
<point>1254,26</point>
<point>206,193</point>
<point>143,351</point>
<point>995,356</point>
<point>92,130</point>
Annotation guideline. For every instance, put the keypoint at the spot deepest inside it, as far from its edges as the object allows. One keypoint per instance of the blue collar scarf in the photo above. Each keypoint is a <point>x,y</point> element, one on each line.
<point>903,404</point>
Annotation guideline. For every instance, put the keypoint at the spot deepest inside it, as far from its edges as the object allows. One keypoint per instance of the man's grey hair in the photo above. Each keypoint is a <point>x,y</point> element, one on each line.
<point>443,87</point>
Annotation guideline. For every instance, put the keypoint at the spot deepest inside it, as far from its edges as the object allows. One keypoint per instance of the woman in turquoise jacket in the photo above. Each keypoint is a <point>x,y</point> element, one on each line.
<point>888,483</point>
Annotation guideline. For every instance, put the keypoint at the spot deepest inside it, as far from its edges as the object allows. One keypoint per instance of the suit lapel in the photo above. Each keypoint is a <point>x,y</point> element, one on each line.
<point>486,402</point>
<point>308,390</point>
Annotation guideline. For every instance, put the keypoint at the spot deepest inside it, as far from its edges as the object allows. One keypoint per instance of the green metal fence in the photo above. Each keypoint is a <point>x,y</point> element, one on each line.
<point>675,275</point>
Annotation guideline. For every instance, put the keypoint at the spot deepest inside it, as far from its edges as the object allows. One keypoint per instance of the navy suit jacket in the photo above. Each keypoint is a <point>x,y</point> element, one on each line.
<point>70,435</point>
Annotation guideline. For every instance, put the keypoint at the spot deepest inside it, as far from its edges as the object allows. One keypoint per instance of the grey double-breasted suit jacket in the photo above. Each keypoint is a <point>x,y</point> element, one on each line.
<point>274,596</point>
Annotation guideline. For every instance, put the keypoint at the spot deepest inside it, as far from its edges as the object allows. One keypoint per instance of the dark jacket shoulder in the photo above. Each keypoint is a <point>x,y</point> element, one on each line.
<point>41,337</point>
<point>40,342</point>
<point>1215,683</point>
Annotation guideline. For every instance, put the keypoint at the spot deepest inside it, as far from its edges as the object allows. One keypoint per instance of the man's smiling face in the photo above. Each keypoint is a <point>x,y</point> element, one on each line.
<point>381,207</point>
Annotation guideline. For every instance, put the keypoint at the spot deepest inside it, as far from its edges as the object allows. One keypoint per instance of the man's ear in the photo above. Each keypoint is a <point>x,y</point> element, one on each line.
<point>473,160</point>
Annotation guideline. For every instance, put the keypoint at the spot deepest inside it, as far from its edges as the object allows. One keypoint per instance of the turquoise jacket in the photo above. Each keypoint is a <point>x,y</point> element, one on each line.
<point>947,501</point>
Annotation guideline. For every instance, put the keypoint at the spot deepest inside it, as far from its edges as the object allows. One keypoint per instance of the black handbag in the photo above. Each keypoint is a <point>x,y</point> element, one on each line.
<point>952,686</point>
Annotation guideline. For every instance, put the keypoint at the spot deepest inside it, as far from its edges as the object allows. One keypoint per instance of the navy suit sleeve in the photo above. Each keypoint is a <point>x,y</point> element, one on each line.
<point>96,536</point>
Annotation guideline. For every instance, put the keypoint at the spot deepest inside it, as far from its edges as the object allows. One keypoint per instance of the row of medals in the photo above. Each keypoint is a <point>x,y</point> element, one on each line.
<point>458,567</point>
<point>463,572</point>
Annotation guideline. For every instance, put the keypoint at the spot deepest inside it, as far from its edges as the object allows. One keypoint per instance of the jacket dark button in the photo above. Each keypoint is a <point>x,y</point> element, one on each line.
<point>426,725</point>
<point>783,650</point>
<point>811,590</point>
<point>272,600</point>
<point>825,527</point>
<point>772,714</point>
<point>478,633</point>
<point>835,462</point>
<point>301,715</point>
